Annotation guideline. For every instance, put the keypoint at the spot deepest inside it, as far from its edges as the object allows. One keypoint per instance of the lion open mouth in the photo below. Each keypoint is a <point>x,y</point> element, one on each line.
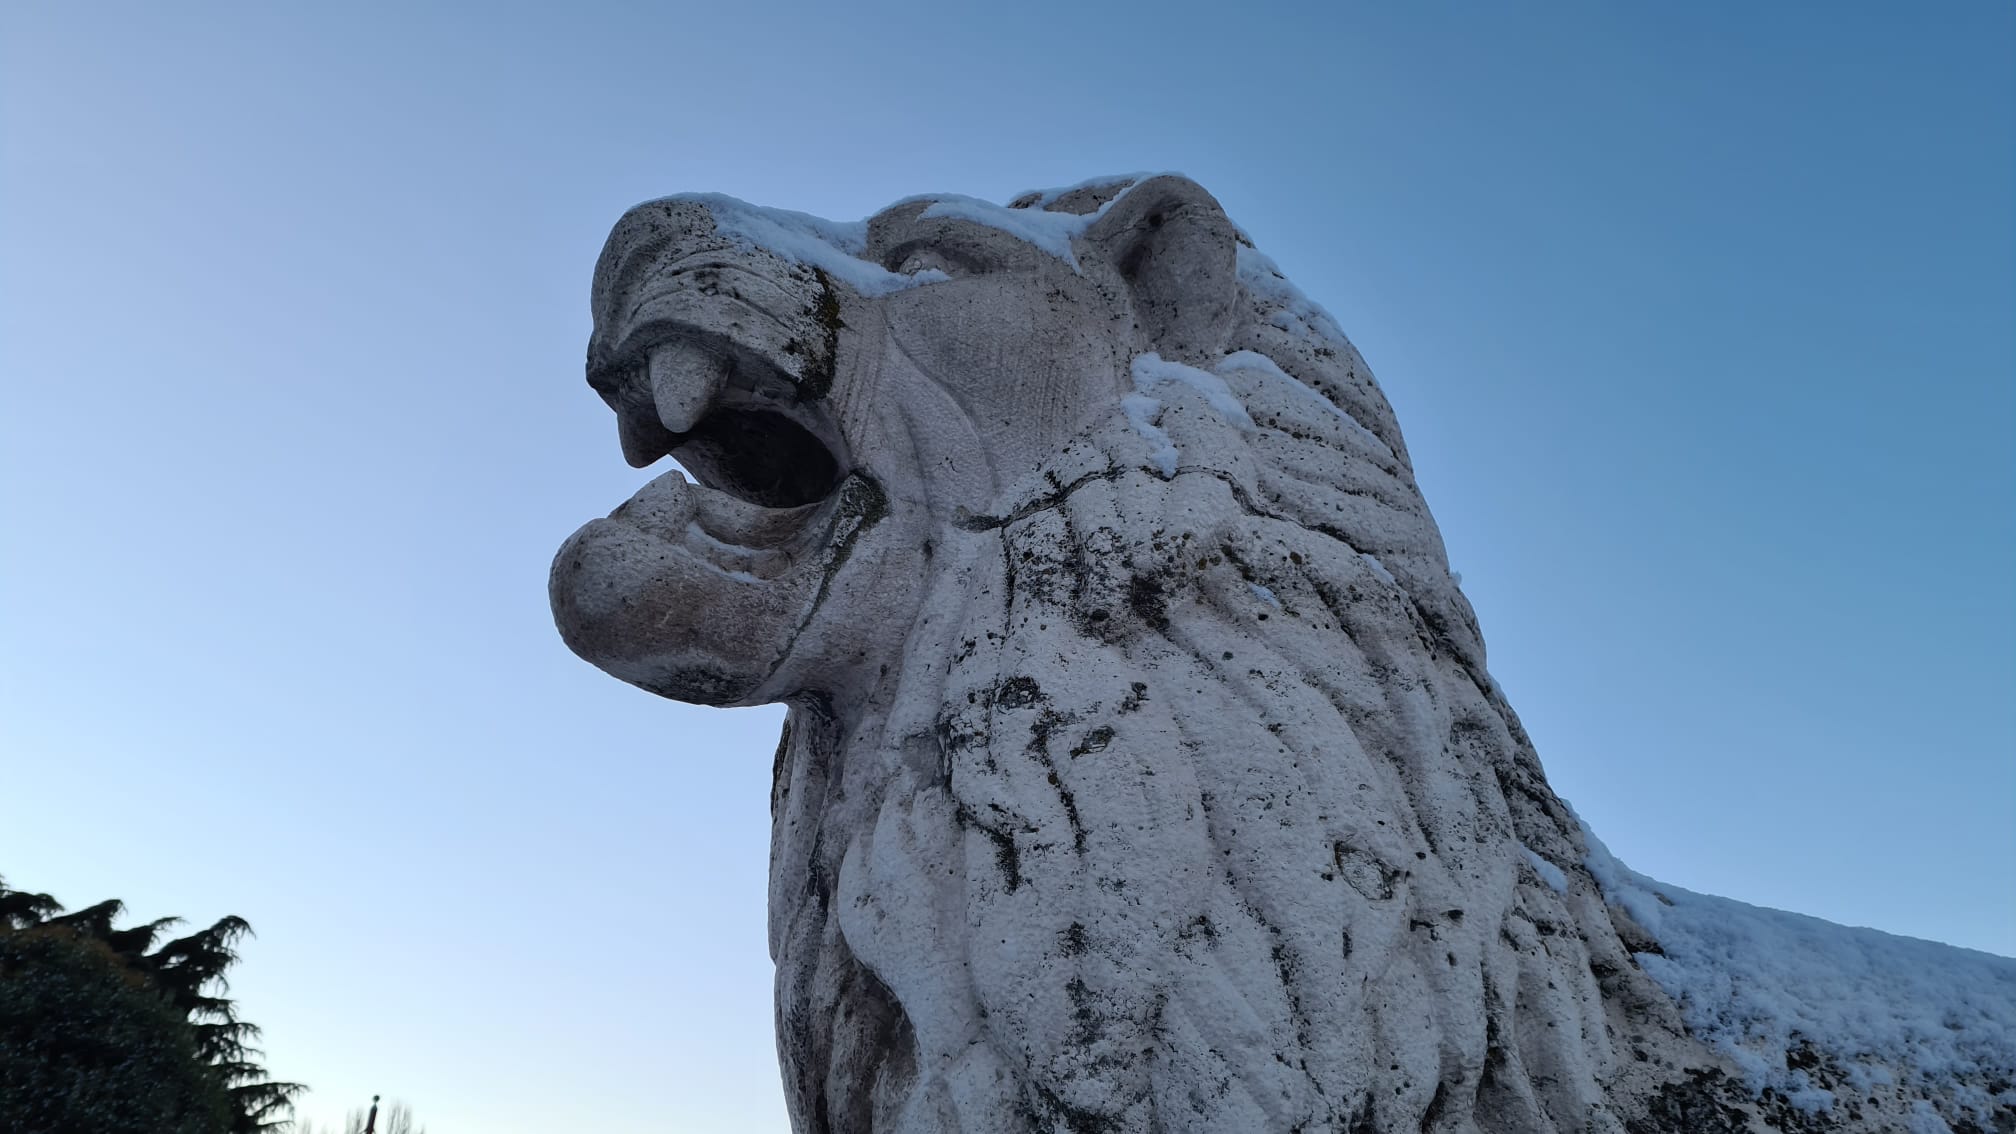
<point>759,455</point>
<point>766,459</point>
<point>735,420</point>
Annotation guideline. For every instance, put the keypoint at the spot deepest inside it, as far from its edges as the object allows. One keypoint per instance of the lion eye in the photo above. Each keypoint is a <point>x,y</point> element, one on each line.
<point>934,259</point>
<point>919,261</point>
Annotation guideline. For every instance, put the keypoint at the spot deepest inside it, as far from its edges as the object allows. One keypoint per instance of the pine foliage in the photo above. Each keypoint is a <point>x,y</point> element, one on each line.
<point>111,1029</point>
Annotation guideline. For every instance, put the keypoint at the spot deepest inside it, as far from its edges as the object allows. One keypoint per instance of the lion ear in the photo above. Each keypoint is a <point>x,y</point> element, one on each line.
<point>1177,251</point>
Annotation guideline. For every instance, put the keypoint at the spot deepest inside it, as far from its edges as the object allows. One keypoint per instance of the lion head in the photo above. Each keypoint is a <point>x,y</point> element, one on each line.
<point>843,395</point>
<point>1142,770</point>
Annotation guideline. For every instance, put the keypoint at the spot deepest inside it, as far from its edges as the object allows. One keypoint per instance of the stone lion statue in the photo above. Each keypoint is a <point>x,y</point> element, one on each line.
<point>1142,771</point>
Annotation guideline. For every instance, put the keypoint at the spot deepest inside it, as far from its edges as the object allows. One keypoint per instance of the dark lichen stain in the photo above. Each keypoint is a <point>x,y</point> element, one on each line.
<point>1372,878</point>
<point>1704,1103</point>
<point>1095,741</point>
<point>1145,597</point>
<point>1039,746</point>
<point>1006,856</point>
<point>1087,1026</point>
<point>817,381</point>
<point>1137,696</point>
<point>1060,1115</point>
<point>1199,928</point>
<point>701,686</point>
<point>861,506</point>
<point>1017,693</point>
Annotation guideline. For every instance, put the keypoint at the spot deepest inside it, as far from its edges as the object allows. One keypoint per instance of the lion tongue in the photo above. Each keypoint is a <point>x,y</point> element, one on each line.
<point>670,507</point>
<point>685,380</point>
<point>739,523</point>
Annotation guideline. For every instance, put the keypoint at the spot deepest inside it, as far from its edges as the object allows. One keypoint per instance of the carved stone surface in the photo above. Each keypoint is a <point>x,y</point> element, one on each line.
<point>1142,771</point>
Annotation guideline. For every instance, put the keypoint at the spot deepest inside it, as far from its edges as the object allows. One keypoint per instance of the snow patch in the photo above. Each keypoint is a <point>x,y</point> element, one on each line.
<point>1050,232</point>
<point>834,247</point>
<point>1548,872</point>
<point>1047,231</point>
<point>1253,360</point>
<point>1048,197</point>
<point>1298,313</point>
<point>1152,370</point>
<point>1379,568</point>
<point>1264,595</point>
<point>1758,983</point>
<point>1141,413</point>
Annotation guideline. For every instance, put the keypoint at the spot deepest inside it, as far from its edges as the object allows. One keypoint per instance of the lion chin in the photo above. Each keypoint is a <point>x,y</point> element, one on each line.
<point>1142,772</point>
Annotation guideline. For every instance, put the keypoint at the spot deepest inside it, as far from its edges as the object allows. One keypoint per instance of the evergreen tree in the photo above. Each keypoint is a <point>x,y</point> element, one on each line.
<point>104,1032</point>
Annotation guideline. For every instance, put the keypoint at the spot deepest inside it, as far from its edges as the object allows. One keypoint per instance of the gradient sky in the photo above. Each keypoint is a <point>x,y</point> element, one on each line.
<point>1697,319</point>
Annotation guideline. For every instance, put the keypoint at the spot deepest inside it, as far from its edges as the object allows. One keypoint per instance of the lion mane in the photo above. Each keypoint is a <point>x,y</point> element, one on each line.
<point>1192,806</point>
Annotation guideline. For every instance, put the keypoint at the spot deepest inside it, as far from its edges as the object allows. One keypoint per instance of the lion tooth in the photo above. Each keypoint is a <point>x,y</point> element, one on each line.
<point>685,379</point>
<point>644,440</point>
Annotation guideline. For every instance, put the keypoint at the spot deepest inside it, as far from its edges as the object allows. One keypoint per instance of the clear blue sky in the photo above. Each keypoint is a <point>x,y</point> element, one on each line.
<point>1697,318</point>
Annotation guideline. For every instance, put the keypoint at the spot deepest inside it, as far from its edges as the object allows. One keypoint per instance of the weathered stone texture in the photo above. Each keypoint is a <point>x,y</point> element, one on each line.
<point>1142,771</point>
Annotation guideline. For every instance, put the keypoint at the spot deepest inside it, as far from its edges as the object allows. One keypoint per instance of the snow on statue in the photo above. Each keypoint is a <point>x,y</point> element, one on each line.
<point>1142,771</point>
